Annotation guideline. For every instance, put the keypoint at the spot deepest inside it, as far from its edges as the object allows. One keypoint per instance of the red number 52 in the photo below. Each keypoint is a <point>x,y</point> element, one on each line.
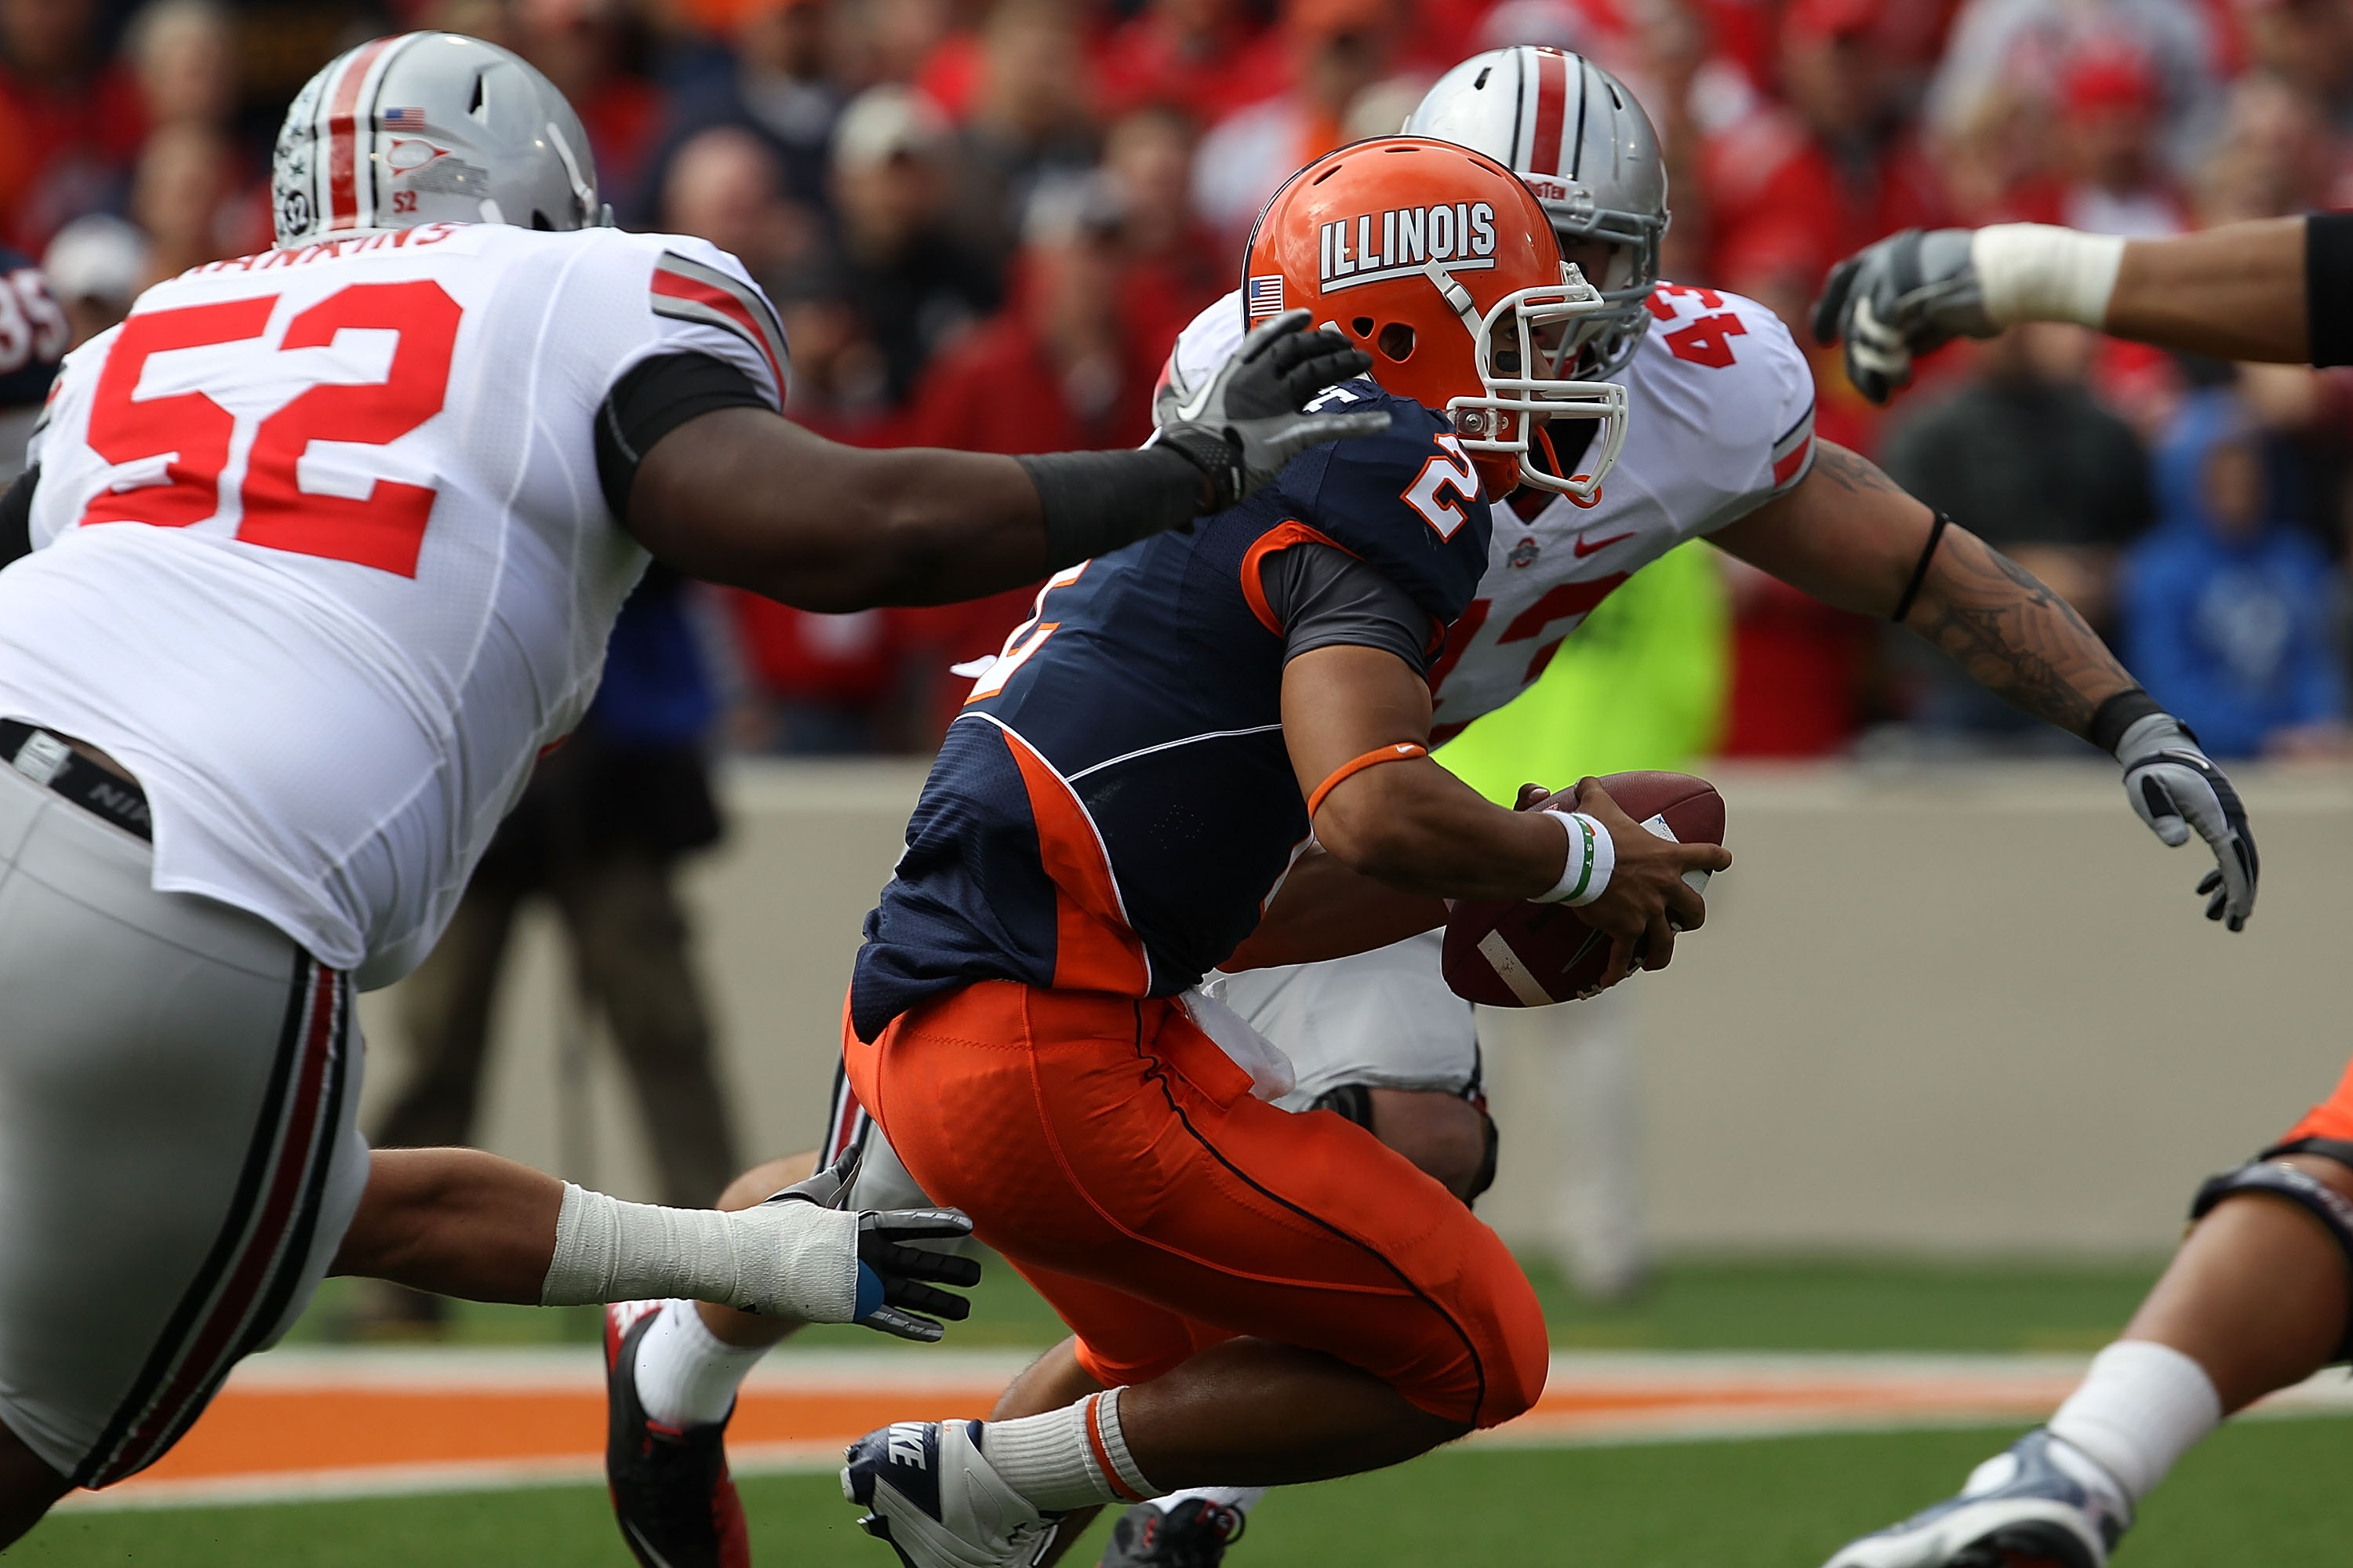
<point>186,435</point>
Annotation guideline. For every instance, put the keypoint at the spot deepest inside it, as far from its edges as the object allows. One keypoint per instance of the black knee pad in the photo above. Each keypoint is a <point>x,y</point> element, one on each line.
<point>1493,1140</point>
<point>1353,1102</point>
<point>2324,1202</point>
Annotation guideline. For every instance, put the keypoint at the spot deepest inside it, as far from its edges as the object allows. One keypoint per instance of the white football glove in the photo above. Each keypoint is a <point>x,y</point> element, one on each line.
<point>2178,790</point>
<point>891,1278</point>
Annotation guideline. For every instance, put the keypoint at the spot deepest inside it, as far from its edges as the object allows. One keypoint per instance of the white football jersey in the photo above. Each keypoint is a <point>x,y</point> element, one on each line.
<point>1719,419</point>
<point>320,557</point>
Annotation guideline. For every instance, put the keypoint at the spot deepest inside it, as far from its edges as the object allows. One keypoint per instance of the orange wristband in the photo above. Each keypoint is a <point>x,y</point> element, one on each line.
<point>1397,751</point>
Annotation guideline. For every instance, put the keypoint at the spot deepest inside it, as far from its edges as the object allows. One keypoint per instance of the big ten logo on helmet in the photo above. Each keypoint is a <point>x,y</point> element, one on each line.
<point>1398,243</point>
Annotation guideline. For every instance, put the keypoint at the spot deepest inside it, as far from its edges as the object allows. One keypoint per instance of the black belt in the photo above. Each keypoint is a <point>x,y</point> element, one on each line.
<point>47,759</point>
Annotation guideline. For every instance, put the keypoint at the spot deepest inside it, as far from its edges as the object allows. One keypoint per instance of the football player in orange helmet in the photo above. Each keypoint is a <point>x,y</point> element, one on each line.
<point>1461,299</point>
<point>1255,1296</point>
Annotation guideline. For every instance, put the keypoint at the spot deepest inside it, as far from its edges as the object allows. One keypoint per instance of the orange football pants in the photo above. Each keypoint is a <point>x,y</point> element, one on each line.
<point>1115,1156</point>
<point>2332,1118</point>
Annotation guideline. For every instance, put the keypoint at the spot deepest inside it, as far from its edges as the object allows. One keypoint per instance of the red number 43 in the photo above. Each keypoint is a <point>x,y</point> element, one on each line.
<point>1704,340</point>
<point>179,444</point>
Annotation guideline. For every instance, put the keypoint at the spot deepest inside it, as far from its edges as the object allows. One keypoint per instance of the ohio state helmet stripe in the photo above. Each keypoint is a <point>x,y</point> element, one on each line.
<point>1552,112</point>
<point>685,290</point>
<point>343,142</point>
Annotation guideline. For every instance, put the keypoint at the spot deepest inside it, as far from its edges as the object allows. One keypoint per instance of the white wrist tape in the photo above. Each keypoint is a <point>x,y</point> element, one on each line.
<point>1592,856</point>
<point>2037,272</point>
<point>793,1259</point>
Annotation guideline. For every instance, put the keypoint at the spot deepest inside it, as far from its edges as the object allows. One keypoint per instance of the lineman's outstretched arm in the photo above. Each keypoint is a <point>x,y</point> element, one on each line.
<point>2277,290</point>
<point>737,496</point>
<point>1850,536</point>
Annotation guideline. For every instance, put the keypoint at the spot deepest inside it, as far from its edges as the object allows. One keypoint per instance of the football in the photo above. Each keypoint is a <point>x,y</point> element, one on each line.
<point>1508,952</point>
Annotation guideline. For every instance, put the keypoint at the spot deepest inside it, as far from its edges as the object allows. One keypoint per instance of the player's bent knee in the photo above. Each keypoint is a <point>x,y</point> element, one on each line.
<point>1508,1352</point>
<point>2319,1181</point>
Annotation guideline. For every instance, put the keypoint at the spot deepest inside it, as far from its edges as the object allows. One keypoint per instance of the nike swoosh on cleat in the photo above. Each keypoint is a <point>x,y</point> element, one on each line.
<point>1584,549</point>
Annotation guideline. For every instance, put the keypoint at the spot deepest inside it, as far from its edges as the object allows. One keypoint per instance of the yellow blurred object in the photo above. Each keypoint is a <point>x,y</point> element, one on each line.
<point>1640,684</point>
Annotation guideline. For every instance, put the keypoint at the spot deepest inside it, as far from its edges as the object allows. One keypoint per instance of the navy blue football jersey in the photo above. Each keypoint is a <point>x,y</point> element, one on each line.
<point>1114,803</point>
<point>32,333</point>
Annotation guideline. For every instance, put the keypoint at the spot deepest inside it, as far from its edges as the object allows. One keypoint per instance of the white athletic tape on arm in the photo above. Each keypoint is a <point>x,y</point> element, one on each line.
<point>793,1260</point>
<point>2038,272</point>
<point>1592,856</point>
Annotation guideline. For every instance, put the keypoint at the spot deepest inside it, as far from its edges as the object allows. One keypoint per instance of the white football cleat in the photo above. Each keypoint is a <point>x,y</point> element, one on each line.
<point>2041,1503</point>
<point>930,1492</point>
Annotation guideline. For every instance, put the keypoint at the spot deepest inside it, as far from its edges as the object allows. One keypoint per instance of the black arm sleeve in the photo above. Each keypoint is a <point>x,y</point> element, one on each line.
<point>2328,286</point>
<point>16,516</point>
<point>1327,598</point>
<point>1095,503</point>
<point>652,401</point>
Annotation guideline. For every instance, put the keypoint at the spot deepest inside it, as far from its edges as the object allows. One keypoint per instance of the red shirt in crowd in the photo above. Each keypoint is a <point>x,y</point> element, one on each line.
<point>62,146</point>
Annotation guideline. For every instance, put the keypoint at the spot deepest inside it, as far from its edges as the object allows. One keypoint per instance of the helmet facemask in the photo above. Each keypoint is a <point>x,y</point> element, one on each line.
<point>1603,344</point>
<point>1520,345</point>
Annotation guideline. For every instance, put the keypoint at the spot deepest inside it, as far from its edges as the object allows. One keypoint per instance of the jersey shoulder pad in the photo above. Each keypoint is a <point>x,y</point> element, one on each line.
<point>1731,366</point>
<point>644,294</point>
<point>1207,341</point>
<point>694,280</point>
<point>1406,500</point>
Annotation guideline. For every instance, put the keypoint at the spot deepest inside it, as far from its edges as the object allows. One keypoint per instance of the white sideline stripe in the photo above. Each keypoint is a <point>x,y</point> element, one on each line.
<point>423,1480</point>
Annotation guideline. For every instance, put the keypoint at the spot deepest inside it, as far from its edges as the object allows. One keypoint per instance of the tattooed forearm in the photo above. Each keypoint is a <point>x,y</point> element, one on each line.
<point>1852,471</point>
<point>2013,635</point>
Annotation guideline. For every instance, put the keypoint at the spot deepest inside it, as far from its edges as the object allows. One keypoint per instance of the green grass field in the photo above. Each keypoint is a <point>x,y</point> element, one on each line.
<point>2266,1492</point>
<point>2270,1492</point>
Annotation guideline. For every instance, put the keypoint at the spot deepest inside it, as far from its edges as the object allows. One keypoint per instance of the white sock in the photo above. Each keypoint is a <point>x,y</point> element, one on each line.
<point>2138,1410</point>
<point>1242,1499</point>
<point>687,1375</point>
<point>1071,1458</point>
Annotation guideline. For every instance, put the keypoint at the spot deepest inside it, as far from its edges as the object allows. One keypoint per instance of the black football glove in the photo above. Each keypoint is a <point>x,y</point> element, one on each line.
<point>895,1281</point>
<point>1246,422</point>
<point>1893,301</point>
<point>2178,790</point>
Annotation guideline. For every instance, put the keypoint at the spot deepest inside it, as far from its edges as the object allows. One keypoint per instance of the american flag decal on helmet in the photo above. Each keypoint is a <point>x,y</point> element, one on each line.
<point>404,120</point>
<point>1264,295</point>
<point>689,291</point>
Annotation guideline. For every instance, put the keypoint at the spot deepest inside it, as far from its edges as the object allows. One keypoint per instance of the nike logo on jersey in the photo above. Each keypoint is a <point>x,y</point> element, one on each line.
<point>1368,248</point>
<point>1585,548</point>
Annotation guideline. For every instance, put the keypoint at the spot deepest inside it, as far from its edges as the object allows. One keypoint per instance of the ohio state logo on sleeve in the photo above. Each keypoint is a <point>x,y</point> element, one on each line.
<point>1372,247</point>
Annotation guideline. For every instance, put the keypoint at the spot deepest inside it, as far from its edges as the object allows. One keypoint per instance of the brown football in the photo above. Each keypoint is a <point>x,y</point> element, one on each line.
<point>1508,952</point>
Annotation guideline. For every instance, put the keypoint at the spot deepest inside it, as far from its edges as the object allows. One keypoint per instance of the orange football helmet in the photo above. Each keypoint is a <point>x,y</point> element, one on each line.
<point>1443,266</point>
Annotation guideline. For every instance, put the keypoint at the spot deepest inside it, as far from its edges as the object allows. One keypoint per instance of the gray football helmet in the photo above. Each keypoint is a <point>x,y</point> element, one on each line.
<point>1585,146</point>
<point>429,128</point>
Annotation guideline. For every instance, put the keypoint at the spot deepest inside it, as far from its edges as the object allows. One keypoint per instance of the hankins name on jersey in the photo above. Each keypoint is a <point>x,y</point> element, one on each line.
<point>1462,235</point>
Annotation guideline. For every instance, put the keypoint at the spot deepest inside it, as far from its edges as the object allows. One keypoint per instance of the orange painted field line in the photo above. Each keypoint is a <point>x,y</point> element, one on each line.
<point>293,1425</point>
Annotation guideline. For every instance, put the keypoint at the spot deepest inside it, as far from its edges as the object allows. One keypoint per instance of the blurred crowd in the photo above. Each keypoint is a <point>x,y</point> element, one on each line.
<point>984,222</point>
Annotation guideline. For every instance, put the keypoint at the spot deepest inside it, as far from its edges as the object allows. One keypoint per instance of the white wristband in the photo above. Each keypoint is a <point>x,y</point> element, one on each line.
<point>1592,856</point>
<point>794,1258</point>
<point>2038,272</point>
